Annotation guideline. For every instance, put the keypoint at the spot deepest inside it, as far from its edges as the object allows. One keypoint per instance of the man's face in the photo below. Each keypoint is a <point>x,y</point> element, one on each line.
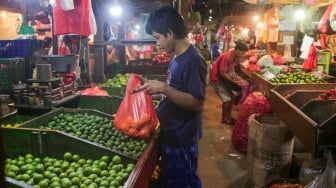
<point>165,43</point>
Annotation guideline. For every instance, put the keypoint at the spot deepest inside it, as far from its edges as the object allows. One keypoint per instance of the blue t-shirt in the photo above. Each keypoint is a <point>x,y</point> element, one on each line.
<point>186,73</point>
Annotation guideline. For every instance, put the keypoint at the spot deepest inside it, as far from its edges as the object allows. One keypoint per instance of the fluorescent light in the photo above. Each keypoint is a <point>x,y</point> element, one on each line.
<point>300,14</point>
<point>255,18</point>
<point>116,10</point>
<point>4,14</point>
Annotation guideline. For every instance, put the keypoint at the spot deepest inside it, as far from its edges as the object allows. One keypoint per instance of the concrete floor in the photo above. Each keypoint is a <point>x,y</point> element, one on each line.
<point>219,165</point>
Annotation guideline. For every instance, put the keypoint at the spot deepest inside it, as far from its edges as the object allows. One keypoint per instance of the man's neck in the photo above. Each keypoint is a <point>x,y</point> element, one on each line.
<point>181,46</point>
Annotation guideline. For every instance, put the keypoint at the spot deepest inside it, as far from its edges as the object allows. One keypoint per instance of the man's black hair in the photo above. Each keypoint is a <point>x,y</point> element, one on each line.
<point>164,20</point>
<point>241,46</point>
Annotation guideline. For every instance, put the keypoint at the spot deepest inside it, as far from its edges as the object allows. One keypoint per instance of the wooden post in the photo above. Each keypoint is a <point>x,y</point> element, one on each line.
<point>183,4</point>
<point>98,51</point>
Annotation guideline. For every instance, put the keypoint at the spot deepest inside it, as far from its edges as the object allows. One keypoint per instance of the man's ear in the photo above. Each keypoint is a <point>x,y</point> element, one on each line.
<point>170,34</point>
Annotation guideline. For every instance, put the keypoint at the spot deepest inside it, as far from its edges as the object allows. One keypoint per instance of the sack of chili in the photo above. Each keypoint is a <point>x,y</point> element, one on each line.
<point>255,103</point>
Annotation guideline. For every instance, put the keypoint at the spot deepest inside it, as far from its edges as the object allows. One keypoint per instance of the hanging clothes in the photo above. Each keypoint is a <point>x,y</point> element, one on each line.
<point>272,24</point>
<point>76,21</point>
<point>305,46</point>
<point>310,63</point>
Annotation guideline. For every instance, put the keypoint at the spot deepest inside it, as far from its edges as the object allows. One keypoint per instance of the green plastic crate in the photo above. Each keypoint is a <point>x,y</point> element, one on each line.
<point>21,116</point>
<point>12,70</point>
<point>106,104</point>
<point>45,118</point>
<point>100,131</point>
<point>48,143</point>
<point>117,91</point>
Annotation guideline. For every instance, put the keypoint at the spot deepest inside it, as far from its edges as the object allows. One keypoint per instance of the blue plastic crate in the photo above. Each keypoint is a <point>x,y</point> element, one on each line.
<point>18,48</point>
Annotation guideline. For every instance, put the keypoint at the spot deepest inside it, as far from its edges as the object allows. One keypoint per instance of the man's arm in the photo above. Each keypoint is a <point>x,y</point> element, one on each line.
<point>181,99</point>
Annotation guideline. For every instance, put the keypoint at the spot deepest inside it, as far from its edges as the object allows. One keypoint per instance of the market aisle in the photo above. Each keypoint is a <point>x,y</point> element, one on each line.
<point>220,166</point>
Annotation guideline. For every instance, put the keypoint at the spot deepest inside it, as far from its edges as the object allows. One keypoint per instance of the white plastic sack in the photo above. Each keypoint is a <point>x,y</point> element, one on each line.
<point>67,4</point>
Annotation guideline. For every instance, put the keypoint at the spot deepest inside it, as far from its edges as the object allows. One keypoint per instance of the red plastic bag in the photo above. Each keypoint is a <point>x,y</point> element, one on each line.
<point>136,114</point>
<point>94,91</point>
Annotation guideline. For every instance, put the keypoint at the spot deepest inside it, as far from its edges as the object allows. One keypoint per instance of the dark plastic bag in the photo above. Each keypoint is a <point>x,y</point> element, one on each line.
<point>136,114</point>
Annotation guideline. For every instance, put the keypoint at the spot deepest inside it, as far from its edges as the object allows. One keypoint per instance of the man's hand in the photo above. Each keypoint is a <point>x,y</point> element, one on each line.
<point>151,86</point>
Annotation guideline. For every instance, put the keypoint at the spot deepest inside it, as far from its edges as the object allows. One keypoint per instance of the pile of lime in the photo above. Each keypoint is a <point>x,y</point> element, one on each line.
<point>71,171</point>
<point>9,125</point>
<point>98,130</point>
<point>296,77</point>
<point>119,80</point>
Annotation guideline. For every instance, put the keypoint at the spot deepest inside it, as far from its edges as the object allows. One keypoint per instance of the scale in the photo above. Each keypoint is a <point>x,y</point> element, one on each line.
<point>49,87</point>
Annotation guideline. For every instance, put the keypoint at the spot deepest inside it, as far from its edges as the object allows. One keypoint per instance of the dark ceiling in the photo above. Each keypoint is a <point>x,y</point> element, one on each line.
<point>221,8</point>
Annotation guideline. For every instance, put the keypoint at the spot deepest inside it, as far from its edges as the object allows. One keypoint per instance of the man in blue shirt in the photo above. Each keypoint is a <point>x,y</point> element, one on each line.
<point>182,100</point>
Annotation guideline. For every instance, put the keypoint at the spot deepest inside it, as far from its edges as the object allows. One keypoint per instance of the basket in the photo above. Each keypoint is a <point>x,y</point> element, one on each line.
<point>60,63</point>
<point>283,180</point>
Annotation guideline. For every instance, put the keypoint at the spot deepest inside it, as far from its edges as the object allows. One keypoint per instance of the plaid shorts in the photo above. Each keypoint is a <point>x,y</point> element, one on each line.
<point>178,167</point>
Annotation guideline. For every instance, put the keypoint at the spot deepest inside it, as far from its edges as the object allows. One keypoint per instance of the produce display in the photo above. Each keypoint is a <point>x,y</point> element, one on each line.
<point>162,58</point>
<point>296,77</point>
<point>286,185</point>
<point>327,95</point>
<point>98,130</point>
<point>71,171</point>
<point>15,120</point>
<point>156,173</point>
<point>9,125</point>
<point>119,80</point>
<point>94,91</point>
<point>255,103</point>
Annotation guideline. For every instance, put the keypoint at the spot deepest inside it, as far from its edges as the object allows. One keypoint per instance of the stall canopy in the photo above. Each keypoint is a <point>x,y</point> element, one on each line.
<point>241,20</point>
<point>315,3</point>
<point>17,5</point>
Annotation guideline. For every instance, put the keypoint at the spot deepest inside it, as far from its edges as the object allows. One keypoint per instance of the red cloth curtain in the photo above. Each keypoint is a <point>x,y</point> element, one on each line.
<point>75,21</point>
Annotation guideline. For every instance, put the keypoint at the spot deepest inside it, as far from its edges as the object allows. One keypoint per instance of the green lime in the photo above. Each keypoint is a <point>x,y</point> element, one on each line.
<point>29,155</point>
<point>105,158</point>
<point>44,183</point>
<point>37,178</point>
<point>75,181</point>
<point>10,174</point>
<point>75,157</point>
<point>87,171</point>
<point>63,175</point>
<point>81,162</point>
<point>66,182</point>
<point>67,156</point>
<point>55,179</point>
<point>55,184</point>
<point>102,165</point>
<point>116,159</point>
<point>114,183</point>
<point>14,168</point>
<point>104,183</point>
